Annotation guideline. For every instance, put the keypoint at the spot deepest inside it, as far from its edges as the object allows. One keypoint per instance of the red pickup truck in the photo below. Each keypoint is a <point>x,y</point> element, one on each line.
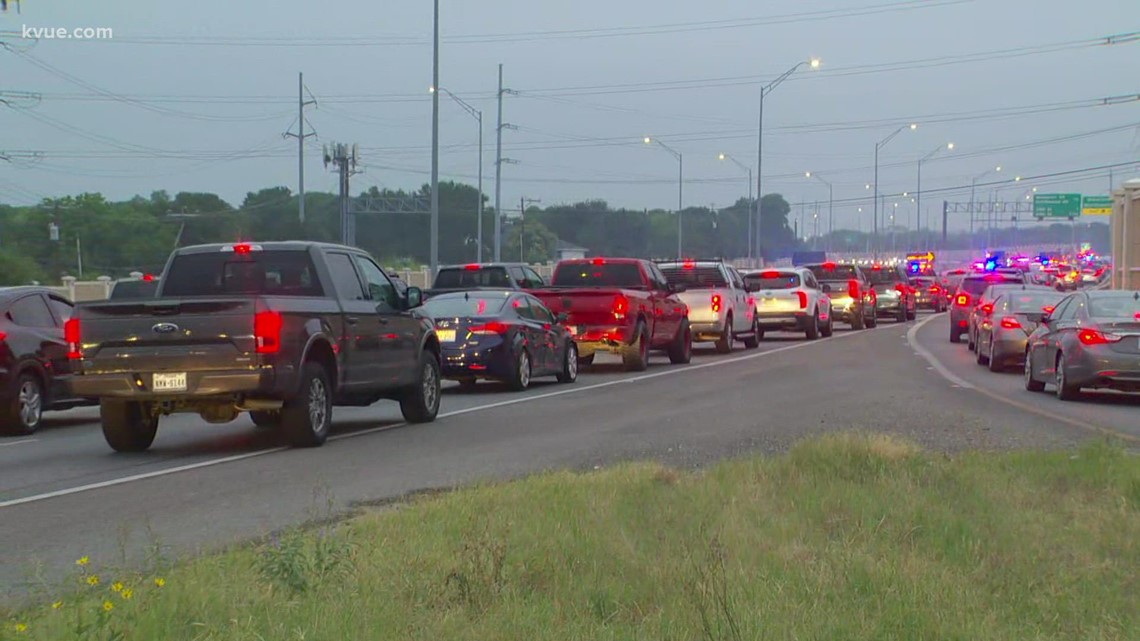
<point>623,306</point>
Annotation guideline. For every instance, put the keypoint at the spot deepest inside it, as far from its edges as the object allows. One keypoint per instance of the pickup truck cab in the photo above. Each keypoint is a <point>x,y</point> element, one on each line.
<point>475,276</point>
<point>721,309</point>
<point>623,306</point>
<point>283,330</point>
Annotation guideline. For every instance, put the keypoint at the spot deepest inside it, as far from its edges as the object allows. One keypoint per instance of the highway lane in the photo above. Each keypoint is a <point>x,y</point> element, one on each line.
<point>1106,412</point>
<point>718,406</point>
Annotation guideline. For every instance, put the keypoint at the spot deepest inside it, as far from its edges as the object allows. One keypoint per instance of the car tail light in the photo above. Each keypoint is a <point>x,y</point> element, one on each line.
<point>620,307</point>
<point>935,289</point>
<point>688,264</point>
<point>242,248</point>
<point>770,274</point>
<point>1010,322</point>
<point>829,267</point>
<point>599,261</point>
<point>3,337</point>
<point>1048,309</point>
<point>267,332</point>
<point>962,300</point>
<point>71,336</point>
<point>492,327</point>
<point>716,303</point>
<point>853,288</point>
<point>148,278</point>
<point>803,299</point>
<point>1097,337</point>
<point>988,309</point>
<point>474,267</point>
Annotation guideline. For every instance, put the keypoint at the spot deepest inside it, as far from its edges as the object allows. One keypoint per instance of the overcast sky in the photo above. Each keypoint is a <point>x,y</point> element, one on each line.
<point>194,96</point>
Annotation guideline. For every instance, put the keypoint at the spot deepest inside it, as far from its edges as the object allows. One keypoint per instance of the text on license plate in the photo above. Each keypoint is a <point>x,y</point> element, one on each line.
<point>169,382</point>
<point>446,335</point>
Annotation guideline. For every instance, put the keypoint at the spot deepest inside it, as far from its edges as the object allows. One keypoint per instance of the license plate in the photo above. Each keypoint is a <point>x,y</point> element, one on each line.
<point>169,382</point>
<point>446,335</point>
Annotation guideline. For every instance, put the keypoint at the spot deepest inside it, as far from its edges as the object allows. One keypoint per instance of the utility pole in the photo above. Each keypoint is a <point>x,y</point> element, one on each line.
<point>434,241</point>
<point>499,160</point>
<point>301,136</point>
<point>344,158</point>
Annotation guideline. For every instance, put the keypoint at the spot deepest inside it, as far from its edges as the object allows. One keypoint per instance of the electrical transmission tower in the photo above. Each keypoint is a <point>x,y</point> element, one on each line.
<point>345,157</point>
<point>301,136</point>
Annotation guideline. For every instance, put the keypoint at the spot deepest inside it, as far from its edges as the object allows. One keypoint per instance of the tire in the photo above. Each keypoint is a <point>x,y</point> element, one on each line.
<point>971,344</point>
<point>1031,384</point>
<point>912,314</point>
<point>306,418</point>
<point>727,338</point>
<point>266,419</point>
<point>25,410</point>
<point>569,372</point>
<point>873,321</point>
<point>635,358</point>
<point>857,322</point>
<point>127,426</point>
<point>1065,391</point>
<point>828,329</point>
<point>520,377</point>
<point>681,349</point>
<point>753,341</point>
<point>419,402</point>
<point>901,316</point>
<point>812,332</point>
<point>993,363</point>
<point>980,358</point>
<point>585,361</point>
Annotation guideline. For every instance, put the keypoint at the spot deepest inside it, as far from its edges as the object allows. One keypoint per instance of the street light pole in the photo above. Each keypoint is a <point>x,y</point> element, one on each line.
<point>973,184</point>
<point>764,91</point>
<point>830,207</point>
<point>478,115</point>
<point>680,187</point>
<point>879,145</point>
<point>749,170</point>
<point>435,145</point>
<point>918,194</point>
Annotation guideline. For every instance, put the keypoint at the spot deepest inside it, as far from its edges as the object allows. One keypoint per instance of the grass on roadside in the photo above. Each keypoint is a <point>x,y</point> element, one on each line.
<point>845,537</point>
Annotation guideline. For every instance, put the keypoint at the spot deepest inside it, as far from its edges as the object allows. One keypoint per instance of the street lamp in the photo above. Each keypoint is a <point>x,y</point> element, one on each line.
<point>434,224</point>
<point>680,186</point>
<point>830,206</point>
<point>918,193</point>
<point>973,184</point>
<point>879,145</point>
<point>723,157</point>
<point>764,91</point>
<point>478,115</point>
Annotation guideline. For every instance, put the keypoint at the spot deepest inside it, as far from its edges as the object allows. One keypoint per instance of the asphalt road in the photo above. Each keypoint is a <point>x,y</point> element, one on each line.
<point>64,494</point>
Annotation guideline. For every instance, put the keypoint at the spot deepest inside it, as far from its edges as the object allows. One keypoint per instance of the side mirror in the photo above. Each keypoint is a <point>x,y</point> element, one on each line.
<point>561,318</point>
<point>414,297</point>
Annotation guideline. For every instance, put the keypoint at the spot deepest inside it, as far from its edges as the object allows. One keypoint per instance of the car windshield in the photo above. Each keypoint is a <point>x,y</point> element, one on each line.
<point>274,273</point>
<point>827,272</point>
<point>1032,302</point>
<point>975,286</point>
<point>1115,305</point>
<point>773,280</point>
<point>453,306</point>
<point>460,278</point>
<point>694,276</point>
<point>627,275</point>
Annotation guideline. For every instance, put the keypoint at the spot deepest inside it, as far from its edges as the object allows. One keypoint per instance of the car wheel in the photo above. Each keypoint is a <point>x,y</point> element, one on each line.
<point>727,338</point>
<point>419,402</point>
<point>827,330</point>
<point>873,321</point>
<point>127,426</point>
<point>681,349</point>
<point>955,335</point>
<point>753,341</point>
<point>994,362</point>
<point>306,417</point>
<point>569,372</point>
<point>981,358</point>
<point>520,378</point>
<point>1031,383</point>
<point>26,408</point>
<point>900,317</point>
<point>912,313</point>
<point>1065,390</point>
<point>812,332</point>
<point>857,319</point>
<point>266,419</point>
<point>635,357</point>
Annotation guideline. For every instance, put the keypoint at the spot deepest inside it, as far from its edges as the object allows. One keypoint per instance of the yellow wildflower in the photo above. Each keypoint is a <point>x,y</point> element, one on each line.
<point>57,605</point>
<point>21,627</point>
<point>117,586</point>
<point>159,582</point>
<point>127,594</point>
<point>82,561</point>
<point>108,606</point>
<point>93,579</point>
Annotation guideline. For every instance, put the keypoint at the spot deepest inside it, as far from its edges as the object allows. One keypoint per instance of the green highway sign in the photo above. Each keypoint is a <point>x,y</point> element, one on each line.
<point>1056,205</point>
<point>1097,206</point>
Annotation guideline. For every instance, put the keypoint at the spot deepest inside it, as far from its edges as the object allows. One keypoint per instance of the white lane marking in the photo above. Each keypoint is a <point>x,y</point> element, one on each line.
<point>930,357</point>
<point>478,408</point>
<point>27,440</point>
<point>911,337</point>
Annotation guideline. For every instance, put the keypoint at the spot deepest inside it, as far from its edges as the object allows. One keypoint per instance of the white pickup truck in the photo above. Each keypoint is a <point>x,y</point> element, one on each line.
<point>721,309</point>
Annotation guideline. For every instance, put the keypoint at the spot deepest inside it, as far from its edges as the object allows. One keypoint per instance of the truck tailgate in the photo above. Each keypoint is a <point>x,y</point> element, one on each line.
<point>700,303</point>
<point>168,334</point>
<point>588,306</point>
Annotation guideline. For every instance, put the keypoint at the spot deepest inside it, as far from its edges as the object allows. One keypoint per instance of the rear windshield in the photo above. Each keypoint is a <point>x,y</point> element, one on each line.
<point>134,289</point>
<point>270,273</point>
<point>460,278</point>
<point>626,275</point>
<point>1030,302</point>
<point>782,281</point>
<point>976,286</point>
<point>695,277</point>
<point>1115,306</point>
<point>882,276</point>
<point>464,306</point>
<point>839,272</point>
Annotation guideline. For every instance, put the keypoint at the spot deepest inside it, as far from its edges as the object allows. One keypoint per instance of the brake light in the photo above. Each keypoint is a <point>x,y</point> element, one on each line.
<point>962,300</point>
<point>243,248</point>
<point>620,307</point>
<point>1009,322</point>
<point>935,289</point>
<point>1096,337</point>
<point>148,278</point>
<point>492,327</point>
<point>267,332</point>
<point>71,336</point>
<point>853,288</point>
<point>599,261</point>
<point>716,303</point>
<point>829,267</point>
<point>1048,309</point>
<point>473,267</point>
<point>688,264</point>
<point>877,268</point>
<point>770,274</point>
<point>3,337</point>
<point>988,309</point>
<point>803,299</point>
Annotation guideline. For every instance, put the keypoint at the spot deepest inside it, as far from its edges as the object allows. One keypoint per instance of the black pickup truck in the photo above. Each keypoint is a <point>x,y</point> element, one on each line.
<point>282,330</point>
